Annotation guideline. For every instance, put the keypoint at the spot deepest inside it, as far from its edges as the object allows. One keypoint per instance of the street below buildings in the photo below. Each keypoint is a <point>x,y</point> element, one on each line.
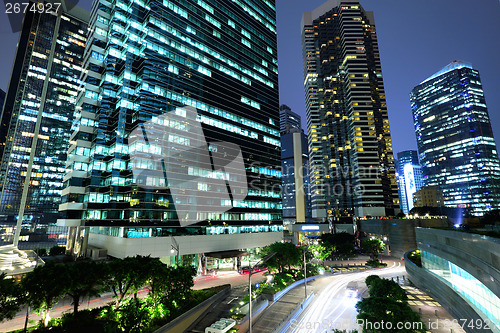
<point>64,306</point>
<point>333,306</point>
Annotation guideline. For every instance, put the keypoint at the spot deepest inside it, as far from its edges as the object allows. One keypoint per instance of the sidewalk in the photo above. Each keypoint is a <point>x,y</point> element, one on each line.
<point>434,316</point>
<point>275,314</point>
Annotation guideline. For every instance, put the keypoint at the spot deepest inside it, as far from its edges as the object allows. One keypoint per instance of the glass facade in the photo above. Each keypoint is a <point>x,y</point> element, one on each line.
<point>351,160</point>
<point>148,58</point>
<point>409,175</point>
<point>482,299</point>
<point>455,140</point>
<point>38,112</point>
<point>294,163</point>
<point>289,120</point>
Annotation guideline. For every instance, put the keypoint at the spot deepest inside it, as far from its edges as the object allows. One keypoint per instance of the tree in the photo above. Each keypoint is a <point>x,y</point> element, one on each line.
<point>10,298</point>
<point>341,244</point>
<point>86,281</point>
<point>127,275</point>
<point>373,246</point>
<point>387,304</point>
<point>320,251</point>
<point>175,289</point>
<point>287,255</point>
<point>370,279</point>
<point>387,288</point>
<point>383,309</point>
<point>44,286</point>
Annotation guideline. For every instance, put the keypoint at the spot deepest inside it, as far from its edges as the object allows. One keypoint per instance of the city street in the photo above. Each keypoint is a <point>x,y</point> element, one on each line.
<point>333,307</point>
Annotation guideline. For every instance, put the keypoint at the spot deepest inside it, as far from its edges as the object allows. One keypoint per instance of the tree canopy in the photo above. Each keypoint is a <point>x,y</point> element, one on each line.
<point>387,304</point>
<point>9,298</point>
<point>373,246</point>
<point>287,255</point>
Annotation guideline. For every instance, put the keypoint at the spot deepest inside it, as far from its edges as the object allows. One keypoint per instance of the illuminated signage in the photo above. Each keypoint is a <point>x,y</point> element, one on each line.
<point>309,228</point>
<point>409,184</point>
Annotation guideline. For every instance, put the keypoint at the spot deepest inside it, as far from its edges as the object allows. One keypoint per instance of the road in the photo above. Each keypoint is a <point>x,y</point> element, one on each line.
<point>332,306</point>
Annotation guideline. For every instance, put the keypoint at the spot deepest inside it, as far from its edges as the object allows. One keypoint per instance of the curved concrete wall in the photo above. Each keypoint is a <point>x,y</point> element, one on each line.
<point>446,296</point>
<point>478,255</point>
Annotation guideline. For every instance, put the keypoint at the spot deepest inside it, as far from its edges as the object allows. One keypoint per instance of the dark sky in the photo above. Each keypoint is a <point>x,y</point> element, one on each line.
<point>416,39</point>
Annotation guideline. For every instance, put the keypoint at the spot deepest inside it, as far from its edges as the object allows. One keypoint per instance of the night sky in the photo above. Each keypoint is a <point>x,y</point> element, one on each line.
<point>416,39</point>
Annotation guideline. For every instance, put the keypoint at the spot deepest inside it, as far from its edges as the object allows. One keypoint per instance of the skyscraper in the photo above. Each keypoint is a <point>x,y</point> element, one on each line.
<point>455,140</point>
<point>151,59</point>
<point>409,176</point>
<point>352,164</point>
<point>289,120</point>
<point>296,196</point>
<point>37,113</point>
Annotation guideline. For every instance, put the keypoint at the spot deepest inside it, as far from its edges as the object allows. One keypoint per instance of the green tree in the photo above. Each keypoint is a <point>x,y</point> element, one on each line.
<point>133,315</point>
<point>126,276</point>
<point>175,289</point>
<point>44,286</point>
<point>371,279</point>
<point>387,310</point>
<point>320,251</point>
<point>287,255</point>
<point>387,288</point>
<point>86,280</point>
<point>10,298</point>
<point>341,244</point>
<point>387,304</point>
<point>373,246</point>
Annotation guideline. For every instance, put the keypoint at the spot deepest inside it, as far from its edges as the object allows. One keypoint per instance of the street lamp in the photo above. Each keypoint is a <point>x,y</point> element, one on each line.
<point>263,260</point>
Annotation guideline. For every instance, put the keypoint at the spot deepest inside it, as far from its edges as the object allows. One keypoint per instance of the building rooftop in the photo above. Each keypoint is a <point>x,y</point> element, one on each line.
<point>455,64</point>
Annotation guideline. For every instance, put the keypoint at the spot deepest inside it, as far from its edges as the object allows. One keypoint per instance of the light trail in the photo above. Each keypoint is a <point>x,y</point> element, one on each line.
<point>328,307</point>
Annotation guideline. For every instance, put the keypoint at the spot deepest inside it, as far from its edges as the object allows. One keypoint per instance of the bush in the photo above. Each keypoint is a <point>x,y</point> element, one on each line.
<point>375,263</point>
<point>415,257</point>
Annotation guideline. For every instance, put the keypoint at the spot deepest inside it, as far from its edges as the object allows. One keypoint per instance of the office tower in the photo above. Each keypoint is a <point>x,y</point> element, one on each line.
<point>37,114</point>
<point>409,176</point>
<point>289,120</point>
<point>455,140</point>
<point>352,165</point>
<point>428,196</point>
<point>296,197</point>
<point>152,60</point>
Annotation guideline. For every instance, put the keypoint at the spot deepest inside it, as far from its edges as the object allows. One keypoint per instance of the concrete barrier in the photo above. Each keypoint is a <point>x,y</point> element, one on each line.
<point>191,317</point>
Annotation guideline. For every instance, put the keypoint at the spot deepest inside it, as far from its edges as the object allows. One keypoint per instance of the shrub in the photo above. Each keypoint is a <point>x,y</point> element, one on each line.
<point>375,263</point>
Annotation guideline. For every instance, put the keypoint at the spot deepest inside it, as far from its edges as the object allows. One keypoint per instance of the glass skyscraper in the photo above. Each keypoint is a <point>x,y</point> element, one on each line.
<point>146,59</point>
<point>409,175</point>
<point>352,164</point>
<point>455,140</point>
<point>296,195</point>
<point>37,113</point>
<point>289,120</point>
